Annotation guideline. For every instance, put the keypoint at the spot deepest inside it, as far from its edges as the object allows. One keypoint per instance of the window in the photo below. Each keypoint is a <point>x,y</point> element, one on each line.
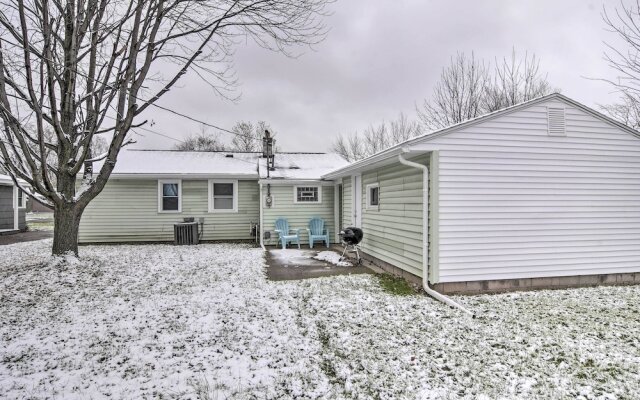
<point>223,195</point>
<point>170,196</point>
<point>307,194</point>
<point>22,199</point>
<point>373,195</point>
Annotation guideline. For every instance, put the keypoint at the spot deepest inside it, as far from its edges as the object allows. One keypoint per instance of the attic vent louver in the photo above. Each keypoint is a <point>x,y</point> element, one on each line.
<point>556,125</point>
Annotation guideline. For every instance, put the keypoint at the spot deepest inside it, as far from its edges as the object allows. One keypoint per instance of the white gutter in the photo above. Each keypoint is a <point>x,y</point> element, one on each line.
<point>366,163</point>
<point>425,239</point>
<point>261,228</point>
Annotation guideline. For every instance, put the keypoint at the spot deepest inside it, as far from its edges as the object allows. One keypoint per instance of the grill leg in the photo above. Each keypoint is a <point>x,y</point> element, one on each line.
<point>344,251</point>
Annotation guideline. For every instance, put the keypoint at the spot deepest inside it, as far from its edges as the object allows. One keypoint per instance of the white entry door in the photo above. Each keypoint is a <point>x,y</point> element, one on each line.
<point>357,200</point>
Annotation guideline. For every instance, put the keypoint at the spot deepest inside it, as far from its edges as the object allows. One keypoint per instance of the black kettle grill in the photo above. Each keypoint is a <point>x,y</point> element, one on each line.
<point>350,238</point>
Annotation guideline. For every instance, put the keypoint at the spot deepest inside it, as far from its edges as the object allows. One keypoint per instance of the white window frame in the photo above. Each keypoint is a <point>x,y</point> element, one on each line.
<point>369,205</point>
<point>295,194</point>
<point>23,203</point>
<point>162,182</point>
<point>235,196</point>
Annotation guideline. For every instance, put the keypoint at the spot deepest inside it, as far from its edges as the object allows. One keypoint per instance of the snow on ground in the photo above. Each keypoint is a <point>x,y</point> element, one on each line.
<point>332,257</point>
<point>203,322</point>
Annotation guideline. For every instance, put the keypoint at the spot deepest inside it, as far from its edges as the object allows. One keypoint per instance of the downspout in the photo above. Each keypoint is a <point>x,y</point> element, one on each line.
<point>261,233</point>
<point>425,239</point>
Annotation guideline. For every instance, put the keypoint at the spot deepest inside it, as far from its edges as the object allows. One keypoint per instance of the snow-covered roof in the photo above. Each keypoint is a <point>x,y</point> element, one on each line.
<point>168,163</point>
<point>301,166</point>
<point>6,180</point>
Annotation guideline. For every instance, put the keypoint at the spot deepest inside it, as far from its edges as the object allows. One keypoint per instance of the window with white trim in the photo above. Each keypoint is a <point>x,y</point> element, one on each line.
<point>307,194</point>
<point>170,196</point>
<point>22,199</point>
<point>373,196</point>
<point>223,195</point>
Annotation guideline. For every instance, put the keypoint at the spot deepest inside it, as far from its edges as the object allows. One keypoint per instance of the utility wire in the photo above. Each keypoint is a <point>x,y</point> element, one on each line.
<point>157,106</point>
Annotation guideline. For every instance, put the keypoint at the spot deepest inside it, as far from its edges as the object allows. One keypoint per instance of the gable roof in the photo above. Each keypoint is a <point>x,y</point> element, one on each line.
<point>301,166</point>
<point>393,151</point>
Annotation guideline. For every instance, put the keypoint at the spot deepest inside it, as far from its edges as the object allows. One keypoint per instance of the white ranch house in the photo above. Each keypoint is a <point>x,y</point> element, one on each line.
<point>545,193</point>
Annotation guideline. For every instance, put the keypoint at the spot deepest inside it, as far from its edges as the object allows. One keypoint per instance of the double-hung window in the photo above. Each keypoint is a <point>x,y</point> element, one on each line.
<point>170,196</point>
<point>307,194</point>
<point>223,196</point>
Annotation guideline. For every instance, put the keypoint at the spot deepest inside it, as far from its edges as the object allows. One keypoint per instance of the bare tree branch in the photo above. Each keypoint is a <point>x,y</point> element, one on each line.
<point>376,138</point>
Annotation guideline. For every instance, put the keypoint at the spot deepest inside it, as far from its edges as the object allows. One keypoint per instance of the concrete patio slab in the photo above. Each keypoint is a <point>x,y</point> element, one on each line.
<point>294,264</point>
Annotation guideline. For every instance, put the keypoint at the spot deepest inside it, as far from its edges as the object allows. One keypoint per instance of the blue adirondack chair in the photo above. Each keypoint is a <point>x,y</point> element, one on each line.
<point>317,231</point>
<point>286,235</point>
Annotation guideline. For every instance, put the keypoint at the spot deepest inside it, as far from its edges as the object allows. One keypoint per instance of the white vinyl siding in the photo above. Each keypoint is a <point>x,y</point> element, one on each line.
<point>347,217</point>
<point>393,230</point>
<point>515,202</point>
<point>106,220</point>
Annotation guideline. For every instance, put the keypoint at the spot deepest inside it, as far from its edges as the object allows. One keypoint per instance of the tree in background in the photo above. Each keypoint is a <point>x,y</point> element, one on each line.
<point>202,141</point>
<point>624,23</point>
<point>469,88</point>
<point>515,81</point>
<point>249,136</point>
<point>376,138</point>
<point>626,110</point>
<point>458,95</point>
<point>92,67</point>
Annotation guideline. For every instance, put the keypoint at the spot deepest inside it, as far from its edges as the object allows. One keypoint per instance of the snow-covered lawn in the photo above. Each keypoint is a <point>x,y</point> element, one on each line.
<point>203,322</point>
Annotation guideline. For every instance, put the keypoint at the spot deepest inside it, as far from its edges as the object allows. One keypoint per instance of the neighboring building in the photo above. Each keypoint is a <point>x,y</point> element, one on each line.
<point>149,191</point>
<point>545,193</point>
<point>13,203</point>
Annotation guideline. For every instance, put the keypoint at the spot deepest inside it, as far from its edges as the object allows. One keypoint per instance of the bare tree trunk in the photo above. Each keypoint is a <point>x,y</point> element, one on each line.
<point>66,225</point>
<point>66,217</point>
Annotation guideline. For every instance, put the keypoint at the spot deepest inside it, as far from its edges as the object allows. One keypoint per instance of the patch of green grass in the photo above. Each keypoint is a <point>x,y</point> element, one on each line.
<point>395,285</point>
<point>40,225</point>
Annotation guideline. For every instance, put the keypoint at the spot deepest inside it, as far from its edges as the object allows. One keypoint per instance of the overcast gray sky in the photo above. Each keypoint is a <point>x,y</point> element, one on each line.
<point>383,56</point>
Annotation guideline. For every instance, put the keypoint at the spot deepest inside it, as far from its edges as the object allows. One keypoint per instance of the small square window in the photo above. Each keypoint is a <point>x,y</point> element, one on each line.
<point>169,193</point>
<point>223,196</point>
<point>307,194</point>
<point>373,196</point>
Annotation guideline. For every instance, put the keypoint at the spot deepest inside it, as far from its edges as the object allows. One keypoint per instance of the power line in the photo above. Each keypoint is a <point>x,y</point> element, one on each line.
<point>197,120</point>
<point>160,107</point>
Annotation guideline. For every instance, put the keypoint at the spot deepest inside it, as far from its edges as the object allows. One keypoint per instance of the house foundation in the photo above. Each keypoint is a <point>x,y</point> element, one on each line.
<point>505,285</point>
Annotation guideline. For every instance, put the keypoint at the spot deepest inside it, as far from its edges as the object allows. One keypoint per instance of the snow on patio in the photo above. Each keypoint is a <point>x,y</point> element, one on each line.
<point>203,322</point>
